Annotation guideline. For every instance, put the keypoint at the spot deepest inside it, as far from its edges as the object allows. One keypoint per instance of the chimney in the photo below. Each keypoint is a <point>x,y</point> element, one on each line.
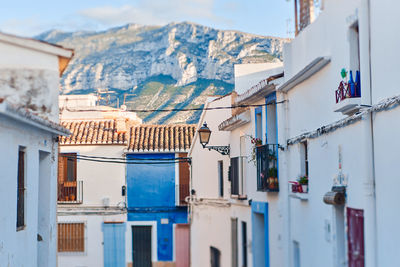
<point>120,125</point>
<point>304,14</point>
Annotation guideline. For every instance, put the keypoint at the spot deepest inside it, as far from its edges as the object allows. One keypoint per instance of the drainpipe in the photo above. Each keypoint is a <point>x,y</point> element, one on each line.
<point>370,231</point>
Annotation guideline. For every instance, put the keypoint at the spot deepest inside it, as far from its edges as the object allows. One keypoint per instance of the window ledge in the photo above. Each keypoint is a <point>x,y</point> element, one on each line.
<point>301,196</point>
<point>69,202</point>
<point>21,228</point>
<point>239,197</point>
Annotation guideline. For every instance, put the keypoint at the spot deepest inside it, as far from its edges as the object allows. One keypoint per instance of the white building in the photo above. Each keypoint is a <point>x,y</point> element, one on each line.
<point>29,83</point>
<point>91,194</point>
<point>236,219</point>
<point>340,139</point>
<point>210,231</point>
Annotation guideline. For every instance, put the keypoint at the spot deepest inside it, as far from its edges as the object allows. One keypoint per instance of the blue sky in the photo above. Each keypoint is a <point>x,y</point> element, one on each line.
<point>29,17</point>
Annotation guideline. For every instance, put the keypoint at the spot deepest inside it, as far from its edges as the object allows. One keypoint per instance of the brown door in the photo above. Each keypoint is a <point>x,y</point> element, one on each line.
<point>355,224</point>
<point>182,239</point>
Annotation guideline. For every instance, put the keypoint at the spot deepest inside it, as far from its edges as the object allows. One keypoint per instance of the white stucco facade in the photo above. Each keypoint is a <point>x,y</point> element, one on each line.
<point>210,212</point>
<point>29,73</point>
<point>102,201</point>
<point>360,146</point>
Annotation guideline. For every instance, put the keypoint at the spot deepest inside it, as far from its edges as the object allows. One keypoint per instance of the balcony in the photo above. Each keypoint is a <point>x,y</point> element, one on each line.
<point>267,171</point>
<point>70,192</point>
<point>348,97</point>
<point>181,192</point>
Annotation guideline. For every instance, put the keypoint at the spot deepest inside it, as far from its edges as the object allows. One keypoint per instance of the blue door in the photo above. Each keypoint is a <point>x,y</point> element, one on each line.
<point>114,244</point>
<point>260,234</point>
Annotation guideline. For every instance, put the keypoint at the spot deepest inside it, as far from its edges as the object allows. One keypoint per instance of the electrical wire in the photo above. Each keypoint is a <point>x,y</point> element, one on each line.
<point>132,162</point>
<point>183,109</point>
<point>172,161</point>
<point>130,158</point>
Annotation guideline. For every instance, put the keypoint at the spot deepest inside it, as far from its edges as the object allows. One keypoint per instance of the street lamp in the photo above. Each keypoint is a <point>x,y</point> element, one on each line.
<point>204,136</point>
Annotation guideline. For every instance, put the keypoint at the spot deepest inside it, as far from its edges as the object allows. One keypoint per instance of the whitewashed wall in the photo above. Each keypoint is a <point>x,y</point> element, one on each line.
<point>310,106</point>
<point>20,248</point>
<point>94,249</point>
<point>100,180</point>
<point>30,79</point>
<point>384,59</point>
<point>210,222</point>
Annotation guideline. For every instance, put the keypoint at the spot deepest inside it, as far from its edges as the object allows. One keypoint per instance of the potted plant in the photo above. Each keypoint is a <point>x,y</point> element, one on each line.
<point>303,181</point>
<point>256,142</point>
<point>272,180</point>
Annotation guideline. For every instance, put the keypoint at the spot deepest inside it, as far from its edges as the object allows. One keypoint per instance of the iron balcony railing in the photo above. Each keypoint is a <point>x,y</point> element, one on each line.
<point>267,168</point>
<point>70,192</point>
<point>351,89</point>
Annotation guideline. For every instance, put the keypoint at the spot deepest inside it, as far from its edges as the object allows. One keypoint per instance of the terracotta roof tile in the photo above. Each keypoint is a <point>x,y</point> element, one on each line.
<point>92,132</point>
<point>140,137</point>
<point>161,137</point>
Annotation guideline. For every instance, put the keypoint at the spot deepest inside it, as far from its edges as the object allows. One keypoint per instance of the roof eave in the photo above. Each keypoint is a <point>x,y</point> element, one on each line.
<point>315,66</point>
<point>32,120</point>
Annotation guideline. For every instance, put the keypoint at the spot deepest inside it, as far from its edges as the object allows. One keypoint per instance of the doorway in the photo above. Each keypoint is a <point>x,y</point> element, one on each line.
<point>141,246</point>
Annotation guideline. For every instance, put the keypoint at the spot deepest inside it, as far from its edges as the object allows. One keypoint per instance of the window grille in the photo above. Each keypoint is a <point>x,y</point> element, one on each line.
<point>71,237</point>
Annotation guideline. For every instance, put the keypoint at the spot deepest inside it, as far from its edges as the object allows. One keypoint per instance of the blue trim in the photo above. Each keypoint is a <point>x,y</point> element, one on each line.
<point>270,99</point>
<point>260,208</point>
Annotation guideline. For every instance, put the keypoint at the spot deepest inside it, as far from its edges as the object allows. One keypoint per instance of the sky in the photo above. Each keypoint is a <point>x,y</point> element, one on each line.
<point>32,17</point>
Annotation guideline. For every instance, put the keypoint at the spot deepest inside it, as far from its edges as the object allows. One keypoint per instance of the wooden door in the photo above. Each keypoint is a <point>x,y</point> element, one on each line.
<point>182,243</point>
<point>355,225</point>
<point>141,246</point>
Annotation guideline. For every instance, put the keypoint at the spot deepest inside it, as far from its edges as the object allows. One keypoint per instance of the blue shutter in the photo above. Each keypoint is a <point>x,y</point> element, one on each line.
<point>114,244</point>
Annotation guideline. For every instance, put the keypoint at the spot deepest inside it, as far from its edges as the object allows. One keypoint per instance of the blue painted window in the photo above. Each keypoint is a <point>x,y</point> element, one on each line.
<point>114,244</point>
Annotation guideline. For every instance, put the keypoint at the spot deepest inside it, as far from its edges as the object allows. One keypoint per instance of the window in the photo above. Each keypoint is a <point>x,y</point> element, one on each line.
<point>271,123</point>
<point>304,158</point>
<point>267,168</point>
<point>296,254</point>
<point>67,184</point>
<point>234,241</point>
<point>354,47</point>
<point>184,174</point>
<point>244,244</point>
<point>221,178</point>
<point>234,175</point>
<point>258,120</point>
<point>215,257</point>
<point>71,237</point>
<point>21,190</point>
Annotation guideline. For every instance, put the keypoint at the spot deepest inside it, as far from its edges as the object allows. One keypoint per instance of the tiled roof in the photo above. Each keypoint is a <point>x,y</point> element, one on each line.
<point>140,137</point>
<point>92,132</point>
<point>161,137</point>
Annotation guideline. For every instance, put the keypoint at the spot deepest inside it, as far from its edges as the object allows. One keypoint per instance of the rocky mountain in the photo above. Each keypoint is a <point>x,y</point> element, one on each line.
<point>154,67</point>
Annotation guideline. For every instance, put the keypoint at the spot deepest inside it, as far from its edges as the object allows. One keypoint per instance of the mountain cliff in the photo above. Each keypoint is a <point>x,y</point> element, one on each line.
<point>153,67</point>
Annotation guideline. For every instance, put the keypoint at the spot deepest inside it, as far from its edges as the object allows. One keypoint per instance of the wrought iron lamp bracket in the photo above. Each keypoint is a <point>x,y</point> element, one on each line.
<point>224,150</point>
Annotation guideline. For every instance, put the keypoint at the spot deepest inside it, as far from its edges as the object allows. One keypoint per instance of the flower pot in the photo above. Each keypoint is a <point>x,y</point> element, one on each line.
<point>305,188</point>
